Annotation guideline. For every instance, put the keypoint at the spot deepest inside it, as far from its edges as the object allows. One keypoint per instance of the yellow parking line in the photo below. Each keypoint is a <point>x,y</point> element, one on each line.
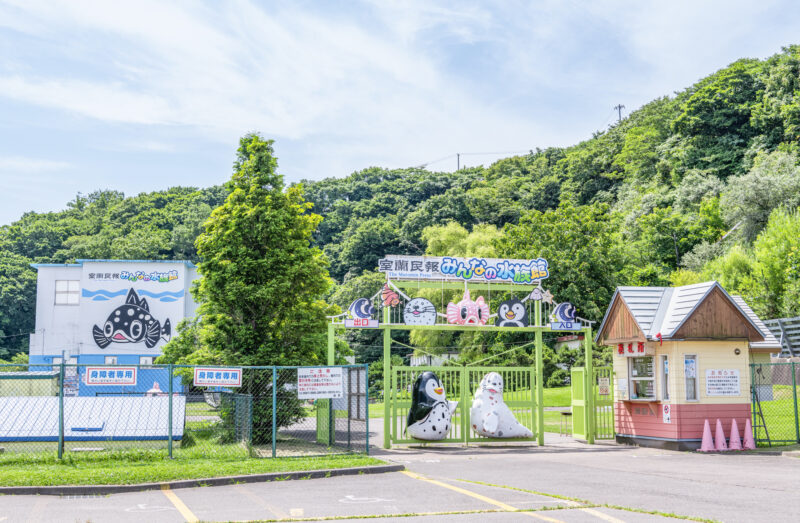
<point>481,497</point>
<point>598,514</point>
<point>180,505</point>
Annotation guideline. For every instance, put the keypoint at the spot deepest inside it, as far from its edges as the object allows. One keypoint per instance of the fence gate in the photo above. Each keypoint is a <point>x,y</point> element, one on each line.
<point>460,384</point>
<point>578,385</point>
<point>604,403</point>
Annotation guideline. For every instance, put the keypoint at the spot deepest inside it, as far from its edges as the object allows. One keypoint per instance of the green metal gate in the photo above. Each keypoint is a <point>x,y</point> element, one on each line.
<point>579,419</point>
<point>592,405</point>
<point>604,403</point>
<point>460,383</point>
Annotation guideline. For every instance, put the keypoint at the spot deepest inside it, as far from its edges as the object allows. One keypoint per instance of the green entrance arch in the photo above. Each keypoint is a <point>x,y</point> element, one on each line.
<point>522,378</point>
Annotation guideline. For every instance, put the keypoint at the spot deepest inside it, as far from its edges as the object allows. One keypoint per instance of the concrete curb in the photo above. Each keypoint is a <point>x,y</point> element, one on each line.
<point>86,490</point>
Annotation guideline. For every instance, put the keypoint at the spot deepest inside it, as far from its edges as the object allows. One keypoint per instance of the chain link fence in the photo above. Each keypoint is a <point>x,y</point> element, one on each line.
<point>775,403</point>
<point>183,411</point>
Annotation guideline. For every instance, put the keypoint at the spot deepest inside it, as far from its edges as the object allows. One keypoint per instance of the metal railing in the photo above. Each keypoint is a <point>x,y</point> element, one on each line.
<point>774,403</point>
<point>68,408</point>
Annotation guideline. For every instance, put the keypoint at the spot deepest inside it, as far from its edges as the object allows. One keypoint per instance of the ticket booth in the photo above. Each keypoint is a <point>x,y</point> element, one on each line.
<point>681,356</point>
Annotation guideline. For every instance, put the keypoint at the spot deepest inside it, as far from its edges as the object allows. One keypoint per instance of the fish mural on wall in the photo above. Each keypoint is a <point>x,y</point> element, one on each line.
<point>132,323</point>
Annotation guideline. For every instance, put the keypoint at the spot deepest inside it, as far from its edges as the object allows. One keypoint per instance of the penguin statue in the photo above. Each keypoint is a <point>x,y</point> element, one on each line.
<point>429,415</point>
<point>490,416</point>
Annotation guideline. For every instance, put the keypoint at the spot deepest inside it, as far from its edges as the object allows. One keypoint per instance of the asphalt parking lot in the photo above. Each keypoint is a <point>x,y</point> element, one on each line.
<point>564,481</point>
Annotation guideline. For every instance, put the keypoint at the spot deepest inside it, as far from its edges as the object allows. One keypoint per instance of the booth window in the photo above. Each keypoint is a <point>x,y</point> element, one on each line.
<point>145,360</point>
<point>111,360</point>
<point>665,377</point>
<point>690,376</point>
<point>67,292</point>
<point>642,377</point>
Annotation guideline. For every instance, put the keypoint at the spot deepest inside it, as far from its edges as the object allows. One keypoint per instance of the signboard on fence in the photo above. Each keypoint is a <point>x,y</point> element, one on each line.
<point>111,376</point>
<point>217,377</point>
<point>443,268</point>
<point>723,382</point>
<point>319,382</point>
<point>603,386</point>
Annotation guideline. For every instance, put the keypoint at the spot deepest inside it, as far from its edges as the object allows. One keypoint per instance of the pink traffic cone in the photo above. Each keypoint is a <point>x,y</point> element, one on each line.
<point>749,443</point>
<point>735,442</point>
<point>708,442</point>
<point>719,438</point>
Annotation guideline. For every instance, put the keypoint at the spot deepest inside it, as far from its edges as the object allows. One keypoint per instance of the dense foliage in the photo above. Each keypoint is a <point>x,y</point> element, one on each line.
<point>702,184</point>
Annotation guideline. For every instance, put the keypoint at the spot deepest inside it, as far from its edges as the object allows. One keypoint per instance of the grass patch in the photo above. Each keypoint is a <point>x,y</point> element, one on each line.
<point>128,467</point>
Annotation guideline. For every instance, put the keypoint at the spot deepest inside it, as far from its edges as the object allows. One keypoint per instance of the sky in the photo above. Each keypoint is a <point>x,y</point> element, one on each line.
<point>146,95</point>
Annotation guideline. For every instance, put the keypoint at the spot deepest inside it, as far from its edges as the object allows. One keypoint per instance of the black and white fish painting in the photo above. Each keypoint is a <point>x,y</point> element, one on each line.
<point>132,323</point>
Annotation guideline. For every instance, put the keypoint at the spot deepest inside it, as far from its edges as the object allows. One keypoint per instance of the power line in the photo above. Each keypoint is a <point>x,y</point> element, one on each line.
<point>458,156</point>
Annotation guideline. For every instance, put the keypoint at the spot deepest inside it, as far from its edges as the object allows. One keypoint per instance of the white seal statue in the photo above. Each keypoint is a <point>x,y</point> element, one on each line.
<point>490,416</point>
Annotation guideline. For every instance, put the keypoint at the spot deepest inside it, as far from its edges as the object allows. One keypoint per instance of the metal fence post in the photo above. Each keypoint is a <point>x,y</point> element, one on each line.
<point>274,410</point>
<point>366,400</point>
<point>61,412</point>
<point>794,397</point>
<point>169,444</point>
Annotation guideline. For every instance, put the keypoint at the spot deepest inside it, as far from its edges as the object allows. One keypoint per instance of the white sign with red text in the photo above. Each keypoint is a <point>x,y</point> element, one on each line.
<point>320,382</point>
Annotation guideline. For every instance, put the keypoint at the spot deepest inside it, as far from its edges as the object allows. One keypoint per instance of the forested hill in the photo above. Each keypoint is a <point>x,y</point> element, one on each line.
<point>701,184</point>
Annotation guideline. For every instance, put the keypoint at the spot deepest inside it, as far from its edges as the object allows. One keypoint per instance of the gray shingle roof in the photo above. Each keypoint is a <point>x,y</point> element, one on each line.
<point>770,341</point>
<point>664,309</point>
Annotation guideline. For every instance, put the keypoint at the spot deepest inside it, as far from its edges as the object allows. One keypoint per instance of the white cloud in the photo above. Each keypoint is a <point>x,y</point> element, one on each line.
<point>23,165</point>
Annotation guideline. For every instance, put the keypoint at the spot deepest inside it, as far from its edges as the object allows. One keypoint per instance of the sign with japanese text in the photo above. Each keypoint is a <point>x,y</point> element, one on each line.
<point>604,386</point>
<point>320,382</point>
<point>635,349</point>
<point>217,377</point>
<point>443,268</point>
<point>111,376</point>
<point>566,326</point>
<point>361,323</point>
<point>723,382</point>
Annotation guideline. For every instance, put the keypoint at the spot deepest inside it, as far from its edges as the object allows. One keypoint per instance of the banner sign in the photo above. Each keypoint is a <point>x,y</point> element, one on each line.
<point>445,268</point>
<point>722,382</point>
<point>320,382</point>
<point>111,376</point>
<point>361,323</point>
<point>217,377</point>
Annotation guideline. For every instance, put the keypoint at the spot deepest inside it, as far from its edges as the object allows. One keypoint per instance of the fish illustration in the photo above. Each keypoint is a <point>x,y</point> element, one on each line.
<point>132,323</point>
<point>390,298</point>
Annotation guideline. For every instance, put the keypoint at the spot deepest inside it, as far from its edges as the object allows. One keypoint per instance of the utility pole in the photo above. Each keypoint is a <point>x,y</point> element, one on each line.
<point>458,161</point>
<point>619,108</point>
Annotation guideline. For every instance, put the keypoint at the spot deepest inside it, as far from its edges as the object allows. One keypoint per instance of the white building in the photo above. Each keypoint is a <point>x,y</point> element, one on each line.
<point>109,311</point>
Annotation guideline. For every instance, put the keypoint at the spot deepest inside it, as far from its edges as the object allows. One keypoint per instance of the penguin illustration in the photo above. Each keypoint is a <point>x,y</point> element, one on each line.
<point>512,313</point>
<point>430,414</point>
<point>490,416</point>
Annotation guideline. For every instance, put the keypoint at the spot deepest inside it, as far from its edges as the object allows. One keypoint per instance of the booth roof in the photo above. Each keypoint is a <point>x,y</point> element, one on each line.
<point>663,310</point>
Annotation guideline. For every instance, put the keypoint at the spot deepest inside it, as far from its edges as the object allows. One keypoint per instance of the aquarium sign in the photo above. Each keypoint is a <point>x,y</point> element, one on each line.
<point>447,268</point>
<point>217,377</point>
<point>111,376</point>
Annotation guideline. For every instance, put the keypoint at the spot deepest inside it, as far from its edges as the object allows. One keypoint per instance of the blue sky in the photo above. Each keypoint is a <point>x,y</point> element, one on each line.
<point>140,96</point>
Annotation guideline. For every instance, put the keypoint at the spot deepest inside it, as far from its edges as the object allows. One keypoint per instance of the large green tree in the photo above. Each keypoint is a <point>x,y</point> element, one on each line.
<point>262,280</point>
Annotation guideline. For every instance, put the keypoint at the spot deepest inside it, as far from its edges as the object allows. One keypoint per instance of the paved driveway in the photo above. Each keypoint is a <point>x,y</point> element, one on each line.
<point>563,481</point>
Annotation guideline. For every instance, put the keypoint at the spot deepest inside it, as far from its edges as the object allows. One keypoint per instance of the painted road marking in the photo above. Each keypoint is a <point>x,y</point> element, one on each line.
<point>278,513</point>
<point>351,499</point>
<point>481,497</point>
<point>180,505</point>
<point>143,507</point>
<point>296,512</point>
<point>598,514</point>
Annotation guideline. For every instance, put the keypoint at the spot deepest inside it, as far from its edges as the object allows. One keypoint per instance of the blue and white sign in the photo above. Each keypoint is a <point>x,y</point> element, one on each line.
<point>443,268</point>
<point>111,376</point>
<point>217,377</point>
<point>566,326</point>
